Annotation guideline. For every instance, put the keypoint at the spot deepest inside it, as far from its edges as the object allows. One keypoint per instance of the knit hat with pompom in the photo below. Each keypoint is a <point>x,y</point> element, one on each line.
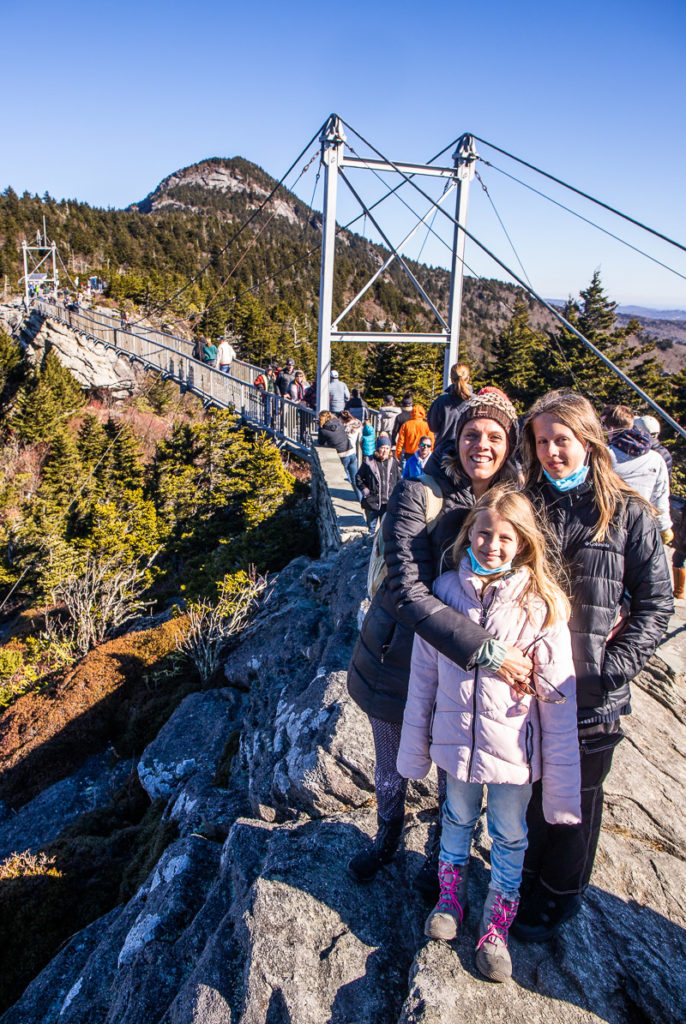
<point>492,404</point>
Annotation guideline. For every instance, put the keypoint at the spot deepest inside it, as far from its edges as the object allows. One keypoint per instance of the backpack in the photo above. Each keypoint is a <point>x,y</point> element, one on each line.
<point>377,570</point>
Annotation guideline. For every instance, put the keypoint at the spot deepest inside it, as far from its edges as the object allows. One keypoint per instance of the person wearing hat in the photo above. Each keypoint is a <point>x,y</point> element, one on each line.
<point>485,440</point>
<point>414,467</point>
<point>285,378</point>
<point>403,416</point>
<point>375,480</point>
<point>637,464</point>
<point>338,393</point>
<point>651,425</point>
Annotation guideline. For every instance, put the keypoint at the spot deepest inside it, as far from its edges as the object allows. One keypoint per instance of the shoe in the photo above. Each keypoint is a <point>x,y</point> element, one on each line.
<point>426,880</point>
<point>492,954</point>
<point>367,864</point>
<point>541,914</point>
<point>679,582</point>
<point>452,906</point>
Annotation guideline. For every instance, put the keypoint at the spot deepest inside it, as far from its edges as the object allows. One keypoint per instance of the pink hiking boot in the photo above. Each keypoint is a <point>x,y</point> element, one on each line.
<point>492,954</point>
<point>450,911</point>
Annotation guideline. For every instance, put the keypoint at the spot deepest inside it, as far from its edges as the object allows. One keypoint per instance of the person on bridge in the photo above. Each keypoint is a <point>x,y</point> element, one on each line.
<point>638,465</point>
<point>388,413</point>
<point>226,354</point>
<point>414,467</point>
<point>285,377</point>
<point>375,480</point>
<point>357,406</point>
<point>443,410</point>
<point>298,387</point>
<point>411,433</point>
<point>353,429</point>
<point>606,539</point>
<point>332,435</point>
<point>486,435</point>
<point>338,393</point>
<point>403,416</point>
<point>209,352</point>
<point>266,382</point>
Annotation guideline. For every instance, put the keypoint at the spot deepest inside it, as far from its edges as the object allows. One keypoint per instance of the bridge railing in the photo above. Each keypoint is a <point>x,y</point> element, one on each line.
<point>172,357</point>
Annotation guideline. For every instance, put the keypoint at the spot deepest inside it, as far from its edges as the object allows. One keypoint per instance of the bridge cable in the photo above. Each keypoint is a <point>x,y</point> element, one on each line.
<point>558,316</point>
<point>586,220</point>
<point>585,195</point>
<point>500,220</point>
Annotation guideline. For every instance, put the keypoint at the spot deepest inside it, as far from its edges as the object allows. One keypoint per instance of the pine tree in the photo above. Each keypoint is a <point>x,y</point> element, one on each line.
<point>519,355</point>
<point>49,397</point>
<point>63,471</point>
<point>122,467</point>
<point>92,440</point>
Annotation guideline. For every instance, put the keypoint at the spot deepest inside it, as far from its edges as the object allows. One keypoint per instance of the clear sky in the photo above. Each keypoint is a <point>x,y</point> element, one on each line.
<point>103,101</point>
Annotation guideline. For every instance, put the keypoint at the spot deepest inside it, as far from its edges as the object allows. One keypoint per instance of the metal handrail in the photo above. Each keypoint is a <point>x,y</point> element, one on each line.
<point>288,421</point>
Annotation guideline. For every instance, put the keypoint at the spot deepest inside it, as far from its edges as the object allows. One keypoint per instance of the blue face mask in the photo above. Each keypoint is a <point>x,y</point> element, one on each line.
<point>479,569</point>
<point>569,482</point>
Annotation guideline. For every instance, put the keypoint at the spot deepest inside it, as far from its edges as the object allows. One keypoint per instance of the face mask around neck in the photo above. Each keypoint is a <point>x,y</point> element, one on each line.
<point>568,483</point>
<point>479,569</point>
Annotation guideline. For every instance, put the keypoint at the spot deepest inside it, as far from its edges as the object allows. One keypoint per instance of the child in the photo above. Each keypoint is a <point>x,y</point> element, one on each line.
<point>480,730</point>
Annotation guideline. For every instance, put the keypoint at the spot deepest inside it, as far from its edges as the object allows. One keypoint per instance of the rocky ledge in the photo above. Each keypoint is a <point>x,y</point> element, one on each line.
<point>250,916</point>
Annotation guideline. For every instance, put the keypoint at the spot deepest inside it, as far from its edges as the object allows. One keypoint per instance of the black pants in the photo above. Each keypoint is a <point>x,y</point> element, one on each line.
<point>390,786</point>
<point>561,856</point>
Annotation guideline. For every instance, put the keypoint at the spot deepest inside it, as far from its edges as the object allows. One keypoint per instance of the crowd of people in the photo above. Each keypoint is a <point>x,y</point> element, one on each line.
<point>477,654</point>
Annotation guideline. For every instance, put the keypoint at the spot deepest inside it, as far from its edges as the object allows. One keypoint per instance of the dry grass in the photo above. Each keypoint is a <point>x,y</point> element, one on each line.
<point>28,865</point>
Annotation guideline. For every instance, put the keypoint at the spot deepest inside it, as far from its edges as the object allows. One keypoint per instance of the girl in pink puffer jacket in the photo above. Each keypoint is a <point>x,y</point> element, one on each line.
<point>480,730</point>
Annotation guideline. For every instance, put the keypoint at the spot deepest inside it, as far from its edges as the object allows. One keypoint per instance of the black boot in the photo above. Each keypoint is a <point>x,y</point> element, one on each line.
<point>542,912</point>
<point>426,879</point>
<point>365,865</point>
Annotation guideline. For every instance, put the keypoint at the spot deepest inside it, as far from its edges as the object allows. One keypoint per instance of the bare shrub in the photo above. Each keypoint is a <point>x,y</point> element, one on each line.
<point>211,627</point>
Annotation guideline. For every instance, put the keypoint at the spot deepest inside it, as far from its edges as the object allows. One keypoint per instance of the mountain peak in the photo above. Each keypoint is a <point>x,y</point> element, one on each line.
<point>222,185</point>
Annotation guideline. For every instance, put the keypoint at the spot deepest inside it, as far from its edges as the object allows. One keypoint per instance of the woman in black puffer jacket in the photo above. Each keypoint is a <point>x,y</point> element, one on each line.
<point>486,435</point>
<point>609,543</point>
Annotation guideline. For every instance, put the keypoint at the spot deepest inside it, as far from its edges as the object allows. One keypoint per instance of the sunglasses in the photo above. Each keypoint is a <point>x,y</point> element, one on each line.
<point>425,446</point>
<point>529,687</point>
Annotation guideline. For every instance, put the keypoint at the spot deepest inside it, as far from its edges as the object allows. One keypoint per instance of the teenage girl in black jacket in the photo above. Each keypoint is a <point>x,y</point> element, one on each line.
<point>620,591</point>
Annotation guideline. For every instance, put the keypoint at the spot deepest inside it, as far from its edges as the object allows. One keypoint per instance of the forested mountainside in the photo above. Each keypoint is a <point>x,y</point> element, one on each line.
<point>174,256</point>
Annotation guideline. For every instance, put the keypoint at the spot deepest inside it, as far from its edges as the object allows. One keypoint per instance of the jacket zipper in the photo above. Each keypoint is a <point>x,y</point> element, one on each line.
<point>482,621</point>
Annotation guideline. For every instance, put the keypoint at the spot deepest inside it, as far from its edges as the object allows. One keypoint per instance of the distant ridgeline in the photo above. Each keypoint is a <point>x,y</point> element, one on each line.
<point>149,251</point>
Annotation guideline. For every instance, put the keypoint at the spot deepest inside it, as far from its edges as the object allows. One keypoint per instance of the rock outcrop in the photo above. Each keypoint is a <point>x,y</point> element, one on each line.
<point>250,915</point>
<point>93,366</point>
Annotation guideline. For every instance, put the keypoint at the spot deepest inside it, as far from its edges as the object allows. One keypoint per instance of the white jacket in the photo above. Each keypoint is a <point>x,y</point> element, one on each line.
<point>648,476</point>
<point>226,354</point>
<point>472,724</point>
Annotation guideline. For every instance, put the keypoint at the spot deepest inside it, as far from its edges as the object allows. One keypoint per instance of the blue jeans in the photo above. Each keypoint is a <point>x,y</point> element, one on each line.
<point>506,817</point>
<point>350,466</point>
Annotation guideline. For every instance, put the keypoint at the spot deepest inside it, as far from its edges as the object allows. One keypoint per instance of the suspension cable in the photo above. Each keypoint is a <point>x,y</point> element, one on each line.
<point>598,202</point>
<point>586,220</point>
<point>500,221</point>
<point>558,316</point>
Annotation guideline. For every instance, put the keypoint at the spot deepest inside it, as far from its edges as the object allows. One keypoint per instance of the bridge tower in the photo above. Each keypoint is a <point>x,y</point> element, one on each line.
<point>458,178</point>
<point>33,263</point>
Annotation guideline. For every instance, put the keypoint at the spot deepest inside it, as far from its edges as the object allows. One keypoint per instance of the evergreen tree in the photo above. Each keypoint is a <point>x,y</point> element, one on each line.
<point>49,397</point>
<point>519,355</point>
<point>92,440</point>
<point>122,467</point>
<point>63,471</point>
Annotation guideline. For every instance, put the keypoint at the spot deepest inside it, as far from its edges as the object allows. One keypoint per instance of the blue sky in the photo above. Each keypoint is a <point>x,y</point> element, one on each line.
<point>107,100</point>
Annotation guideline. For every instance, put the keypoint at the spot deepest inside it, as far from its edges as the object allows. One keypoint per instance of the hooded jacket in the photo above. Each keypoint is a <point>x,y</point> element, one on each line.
<point>471,723</point>
<point>368,439</point>
<point>375,480</point>
<point>648,475</point>
<point>387,417</point>
<point>332,435</point>
<point>628,565</point>
<point>411,432</point>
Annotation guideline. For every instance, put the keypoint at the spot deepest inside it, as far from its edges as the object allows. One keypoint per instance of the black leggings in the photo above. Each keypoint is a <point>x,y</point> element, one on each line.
<point>390,786</point>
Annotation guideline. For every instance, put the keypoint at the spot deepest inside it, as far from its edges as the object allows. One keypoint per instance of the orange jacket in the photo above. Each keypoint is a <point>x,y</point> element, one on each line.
<point>411,432</point>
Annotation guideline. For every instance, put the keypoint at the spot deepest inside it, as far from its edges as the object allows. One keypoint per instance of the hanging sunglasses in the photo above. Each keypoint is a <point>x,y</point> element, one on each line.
<point>529,688</point>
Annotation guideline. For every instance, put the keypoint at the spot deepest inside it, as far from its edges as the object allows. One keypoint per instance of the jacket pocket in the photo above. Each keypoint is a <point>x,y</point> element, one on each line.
<point>385,645</point>
<point>431,724</point>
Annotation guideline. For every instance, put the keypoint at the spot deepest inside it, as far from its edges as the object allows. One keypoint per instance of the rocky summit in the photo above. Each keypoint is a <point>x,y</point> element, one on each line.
<point>250,915</point>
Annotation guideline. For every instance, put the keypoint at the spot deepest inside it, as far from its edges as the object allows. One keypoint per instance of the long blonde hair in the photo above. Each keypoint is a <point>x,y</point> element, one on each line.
<point>459,378</point>
<point>532,553</point>
<point>577,413</point>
